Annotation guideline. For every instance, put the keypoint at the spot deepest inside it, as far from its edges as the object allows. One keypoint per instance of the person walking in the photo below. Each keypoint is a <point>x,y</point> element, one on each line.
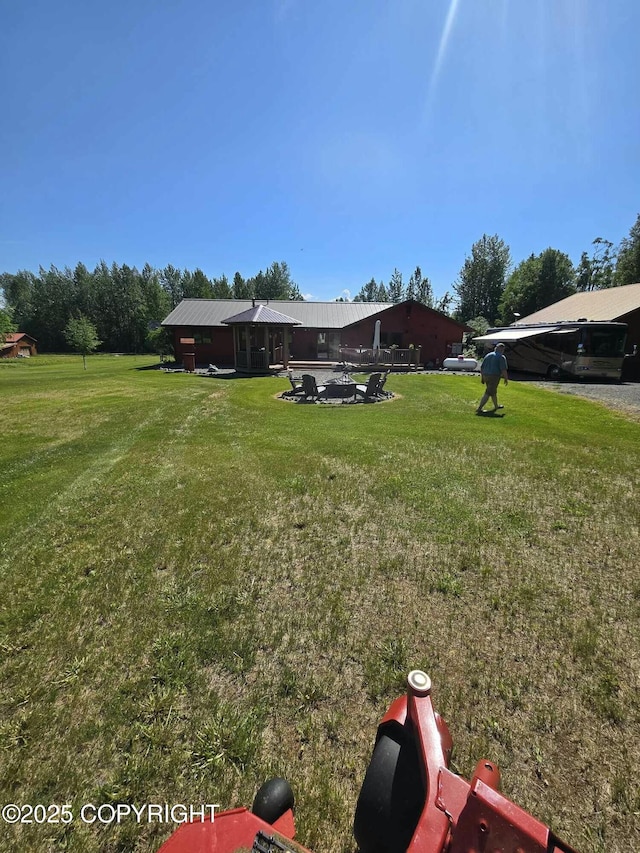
<point>493,367</point>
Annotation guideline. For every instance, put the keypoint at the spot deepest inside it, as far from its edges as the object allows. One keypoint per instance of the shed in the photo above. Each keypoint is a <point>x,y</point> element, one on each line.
<point>18,345</point>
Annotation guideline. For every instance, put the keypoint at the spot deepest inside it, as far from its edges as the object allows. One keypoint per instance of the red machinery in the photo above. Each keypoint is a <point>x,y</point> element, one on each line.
<point>410,801</point>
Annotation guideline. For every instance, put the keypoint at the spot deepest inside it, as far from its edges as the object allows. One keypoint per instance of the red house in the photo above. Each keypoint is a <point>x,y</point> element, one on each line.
<point>18,345</point>
<point>250,334</point>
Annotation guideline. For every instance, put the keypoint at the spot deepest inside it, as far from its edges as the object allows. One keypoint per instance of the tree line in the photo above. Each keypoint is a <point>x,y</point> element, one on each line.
<point>124,307</point>
<point>418,287</point>
<point>490,291</point>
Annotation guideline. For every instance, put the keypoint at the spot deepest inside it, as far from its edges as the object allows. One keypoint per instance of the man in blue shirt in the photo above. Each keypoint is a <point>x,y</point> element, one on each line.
<point>493,367</point>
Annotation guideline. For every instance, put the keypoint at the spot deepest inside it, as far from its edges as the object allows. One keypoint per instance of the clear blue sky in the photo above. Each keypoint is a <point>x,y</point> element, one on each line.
<point>345,137</point>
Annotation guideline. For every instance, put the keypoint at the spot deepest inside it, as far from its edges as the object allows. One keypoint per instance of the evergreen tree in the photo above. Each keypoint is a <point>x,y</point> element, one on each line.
<point>241,288</point>
<point>221,288</point>
<point>482,279</point>
<point>396,289</point>
<point>275,283</point>
<point>367,292</point>
<point>382,294</point>
<point>422,288</point>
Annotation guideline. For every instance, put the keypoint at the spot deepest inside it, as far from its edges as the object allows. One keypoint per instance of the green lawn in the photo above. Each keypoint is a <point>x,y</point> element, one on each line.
<point>202,586</point>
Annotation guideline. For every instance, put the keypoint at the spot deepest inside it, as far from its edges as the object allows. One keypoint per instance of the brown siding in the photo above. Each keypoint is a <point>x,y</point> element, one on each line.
<point>14,351</point>
<point>412,323</point>
<point>416,324</point>
<point>219,351</point>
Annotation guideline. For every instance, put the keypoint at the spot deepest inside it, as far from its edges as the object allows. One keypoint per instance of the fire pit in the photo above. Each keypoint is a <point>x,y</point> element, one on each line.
<point>341,390</point>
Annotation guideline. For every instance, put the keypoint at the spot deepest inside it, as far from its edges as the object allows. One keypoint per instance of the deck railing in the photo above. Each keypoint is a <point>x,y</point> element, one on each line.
<point>385,356</point>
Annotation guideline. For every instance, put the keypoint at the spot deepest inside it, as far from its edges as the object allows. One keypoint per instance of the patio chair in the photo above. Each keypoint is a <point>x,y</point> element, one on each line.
<point>297,387</point>
<point>311,389</point>
<point>381,391</point>
<point>371,391</point>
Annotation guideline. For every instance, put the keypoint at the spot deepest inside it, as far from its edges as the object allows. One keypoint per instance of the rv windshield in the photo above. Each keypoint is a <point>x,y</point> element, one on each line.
<point>603,343</point>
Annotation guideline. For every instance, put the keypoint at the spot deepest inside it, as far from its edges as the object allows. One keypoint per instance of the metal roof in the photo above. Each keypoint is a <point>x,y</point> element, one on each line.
<point>262,315</point>
<point>316,315</point>
<point>610,304</point>
<point>14,337</point>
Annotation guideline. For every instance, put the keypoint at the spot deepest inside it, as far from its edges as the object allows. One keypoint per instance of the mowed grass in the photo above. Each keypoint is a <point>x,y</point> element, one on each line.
<point>202,586</point>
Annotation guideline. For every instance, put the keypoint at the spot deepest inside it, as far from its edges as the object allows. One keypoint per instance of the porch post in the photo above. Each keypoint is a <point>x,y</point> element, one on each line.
<point>285,347</point>
<point>266,346</point>
<point>247,333</point>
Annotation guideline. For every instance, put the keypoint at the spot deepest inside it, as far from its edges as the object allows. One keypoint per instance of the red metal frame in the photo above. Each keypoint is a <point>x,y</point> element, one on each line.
<point>457,817</point>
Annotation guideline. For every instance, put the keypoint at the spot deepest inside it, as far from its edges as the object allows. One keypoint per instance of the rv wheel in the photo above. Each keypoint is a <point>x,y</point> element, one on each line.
<point>554,372</point>
<point>273,799</point>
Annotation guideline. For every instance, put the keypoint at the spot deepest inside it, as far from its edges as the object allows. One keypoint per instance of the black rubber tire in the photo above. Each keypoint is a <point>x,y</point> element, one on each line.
<point>554,372</point>
<point>273,799</point>
<point>392,796</point>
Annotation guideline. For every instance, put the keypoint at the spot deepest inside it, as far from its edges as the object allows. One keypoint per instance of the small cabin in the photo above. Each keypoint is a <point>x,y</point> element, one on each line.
<point>18,345</point>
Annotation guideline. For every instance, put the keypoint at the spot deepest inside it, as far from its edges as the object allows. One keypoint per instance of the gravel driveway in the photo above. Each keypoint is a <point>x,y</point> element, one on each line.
<point>622,396</point>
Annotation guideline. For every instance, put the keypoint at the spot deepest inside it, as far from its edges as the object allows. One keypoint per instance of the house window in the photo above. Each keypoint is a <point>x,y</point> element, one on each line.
<point>202,337</point>
<point>389,339</point>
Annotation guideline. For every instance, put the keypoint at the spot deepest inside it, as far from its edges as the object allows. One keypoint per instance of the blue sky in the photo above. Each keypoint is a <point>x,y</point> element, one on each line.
<point>345,137</point>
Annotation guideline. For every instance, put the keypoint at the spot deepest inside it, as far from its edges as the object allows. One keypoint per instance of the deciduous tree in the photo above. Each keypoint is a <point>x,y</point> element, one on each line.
<point>628,262</point>
<point>596,271</point>
<point>6,326</point>
<point>536,282</point>
<point>81,336</point>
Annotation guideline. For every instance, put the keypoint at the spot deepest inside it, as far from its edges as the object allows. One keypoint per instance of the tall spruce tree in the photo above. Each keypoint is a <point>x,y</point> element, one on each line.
<point>482,279</point>
<point>395,290</point>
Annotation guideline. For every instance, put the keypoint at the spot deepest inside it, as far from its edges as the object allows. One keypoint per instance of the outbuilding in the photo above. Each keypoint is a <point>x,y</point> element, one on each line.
<point>18,345</point>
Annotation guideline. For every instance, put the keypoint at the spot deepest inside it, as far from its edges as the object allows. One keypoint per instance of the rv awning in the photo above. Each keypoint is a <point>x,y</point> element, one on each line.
<point>514,334</point>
